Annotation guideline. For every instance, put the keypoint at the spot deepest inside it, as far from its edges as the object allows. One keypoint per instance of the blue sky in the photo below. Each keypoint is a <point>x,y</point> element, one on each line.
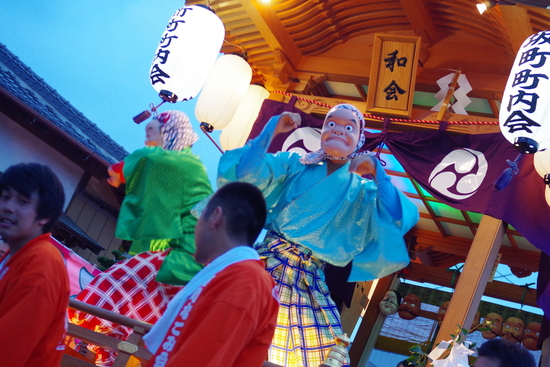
<point>97,55</point>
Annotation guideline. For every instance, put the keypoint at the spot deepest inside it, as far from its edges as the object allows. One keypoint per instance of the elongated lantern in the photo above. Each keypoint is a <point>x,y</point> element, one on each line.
<point>541,161</point>
<point>185,55</point>
<point>235,134</point>
<point>223,91</point>
<point>525,110</point>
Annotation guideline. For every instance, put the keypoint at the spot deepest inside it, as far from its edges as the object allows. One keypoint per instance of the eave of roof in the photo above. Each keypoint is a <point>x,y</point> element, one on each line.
<point>22,83</point>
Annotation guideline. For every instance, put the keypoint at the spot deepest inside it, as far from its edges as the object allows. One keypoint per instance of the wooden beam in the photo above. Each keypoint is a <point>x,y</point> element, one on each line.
<point>485,86</point>
<point>421,22</point>
<point>359,301</point>
<point>442,277</point>
<point>370,324</point>
<point>522,259</point>
<point>272,29</point>
<point>475,274</point>
<point>417,114</point>
<point>517,23</point>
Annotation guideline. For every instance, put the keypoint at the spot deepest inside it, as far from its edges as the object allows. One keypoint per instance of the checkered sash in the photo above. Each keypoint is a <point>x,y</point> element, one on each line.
<point>308,320</point>
<point>127,288</point>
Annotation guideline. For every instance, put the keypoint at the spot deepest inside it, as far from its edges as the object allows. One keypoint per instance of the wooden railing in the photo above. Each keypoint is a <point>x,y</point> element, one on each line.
<point>125,349</point>
<point>133,347</point>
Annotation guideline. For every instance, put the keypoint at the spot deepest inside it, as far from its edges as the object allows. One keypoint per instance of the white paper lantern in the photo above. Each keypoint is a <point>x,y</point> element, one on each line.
<point>525,110</point>
<point>234,135</point>
<point>541,161</point>
<point>223,91</point>
<point>547,194</point>
<point>187,52</point>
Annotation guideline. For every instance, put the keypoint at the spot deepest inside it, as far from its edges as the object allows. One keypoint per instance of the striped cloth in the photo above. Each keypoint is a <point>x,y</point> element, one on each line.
<point>127,288</point>
<point>308,320</point>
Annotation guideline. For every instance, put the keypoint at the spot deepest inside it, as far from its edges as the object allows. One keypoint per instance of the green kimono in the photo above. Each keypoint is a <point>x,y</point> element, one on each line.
<point>161,188</point>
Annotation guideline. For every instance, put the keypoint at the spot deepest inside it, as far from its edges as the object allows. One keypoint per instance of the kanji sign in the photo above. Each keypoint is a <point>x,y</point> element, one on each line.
<point>393,75</point>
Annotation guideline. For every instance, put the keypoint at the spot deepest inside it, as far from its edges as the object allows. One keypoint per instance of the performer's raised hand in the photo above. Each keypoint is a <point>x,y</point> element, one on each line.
<point>288,121</point>
<point>363,165</point>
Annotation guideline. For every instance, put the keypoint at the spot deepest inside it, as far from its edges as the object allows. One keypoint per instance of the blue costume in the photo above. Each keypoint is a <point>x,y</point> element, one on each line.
<point>314,218</point>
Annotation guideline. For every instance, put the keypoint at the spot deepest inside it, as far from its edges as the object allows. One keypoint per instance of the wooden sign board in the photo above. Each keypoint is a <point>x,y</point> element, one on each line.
<point>393,75</point>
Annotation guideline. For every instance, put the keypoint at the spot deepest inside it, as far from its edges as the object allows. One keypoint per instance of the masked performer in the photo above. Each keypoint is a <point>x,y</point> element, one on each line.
<point>332,206</point>
<point>164,180</point>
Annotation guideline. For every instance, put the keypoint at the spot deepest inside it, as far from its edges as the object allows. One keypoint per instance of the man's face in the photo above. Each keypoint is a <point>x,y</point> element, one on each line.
<point>18,223</point>
<point>388,306</point>
<point>496,326</point>
<point>340,133</point>
<point>152,134</point>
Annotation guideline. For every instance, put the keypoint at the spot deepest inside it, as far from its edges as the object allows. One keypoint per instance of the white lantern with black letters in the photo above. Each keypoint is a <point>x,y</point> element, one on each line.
<point>525,110</point>
<point>185,55</point>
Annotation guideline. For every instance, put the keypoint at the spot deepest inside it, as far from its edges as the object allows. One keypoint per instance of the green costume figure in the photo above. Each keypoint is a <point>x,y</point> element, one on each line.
<point>164,181</point>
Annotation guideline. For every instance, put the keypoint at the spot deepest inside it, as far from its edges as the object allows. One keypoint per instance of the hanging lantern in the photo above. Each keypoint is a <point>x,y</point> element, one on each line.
<point>223,91</point>
<point>185,55</point>
<point>525,110</point>
<point>541,160</point>
<point>235,134</point>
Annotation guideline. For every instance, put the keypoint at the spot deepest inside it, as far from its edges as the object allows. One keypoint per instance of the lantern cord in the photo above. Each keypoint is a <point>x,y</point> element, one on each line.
<point>205,129</point>
<point>508,173</point>
<point>235,45</point>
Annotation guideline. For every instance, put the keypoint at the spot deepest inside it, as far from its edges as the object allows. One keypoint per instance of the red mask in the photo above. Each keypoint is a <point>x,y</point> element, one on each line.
<point>410,307</point>
<point>531,336</point>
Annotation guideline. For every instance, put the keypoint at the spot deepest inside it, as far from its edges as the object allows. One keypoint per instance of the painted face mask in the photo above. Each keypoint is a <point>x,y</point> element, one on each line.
<point>321,155</point>
<point>512,330</point>
<point>441,312</point>
<point>390,303</point>
<point>531,336</point>
<point>410,307</point>
<point>495,321</point>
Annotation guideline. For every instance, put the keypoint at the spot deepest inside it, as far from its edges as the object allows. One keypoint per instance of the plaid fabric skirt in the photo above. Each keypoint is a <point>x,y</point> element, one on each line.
<point>128,288</point>
<point>308,320</point>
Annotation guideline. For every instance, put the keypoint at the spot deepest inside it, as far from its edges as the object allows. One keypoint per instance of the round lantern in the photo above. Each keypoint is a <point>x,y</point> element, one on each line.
<point>186,53</point>
<point>235,134</point>
<point>525,111</point>
<point>223,91</point>
<point>541,160</point>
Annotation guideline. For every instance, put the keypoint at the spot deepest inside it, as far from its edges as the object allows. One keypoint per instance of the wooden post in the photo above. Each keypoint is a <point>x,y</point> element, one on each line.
<point>370,324</point>
<point>545,355</point>
<point>360,299</point>
<point>476,272</point>
<point>445,105</point>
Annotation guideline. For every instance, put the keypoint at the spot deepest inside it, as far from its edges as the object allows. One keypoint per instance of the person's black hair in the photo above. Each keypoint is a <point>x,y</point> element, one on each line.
<point>398,296</point>
<point>506,353</point>
<point>244,207</point>
<point>26,178</point>
<point>405,363</point>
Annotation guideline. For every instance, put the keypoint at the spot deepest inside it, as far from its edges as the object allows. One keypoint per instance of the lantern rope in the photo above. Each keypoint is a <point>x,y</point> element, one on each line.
<point>374,117</point>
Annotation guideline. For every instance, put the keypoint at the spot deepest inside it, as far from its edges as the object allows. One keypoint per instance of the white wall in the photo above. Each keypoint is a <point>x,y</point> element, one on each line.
<point>17,145</point>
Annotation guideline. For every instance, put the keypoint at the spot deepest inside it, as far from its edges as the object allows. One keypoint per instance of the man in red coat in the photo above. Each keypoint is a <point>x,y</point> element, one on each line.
<point>226,314</point>
<point>34,288</point>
